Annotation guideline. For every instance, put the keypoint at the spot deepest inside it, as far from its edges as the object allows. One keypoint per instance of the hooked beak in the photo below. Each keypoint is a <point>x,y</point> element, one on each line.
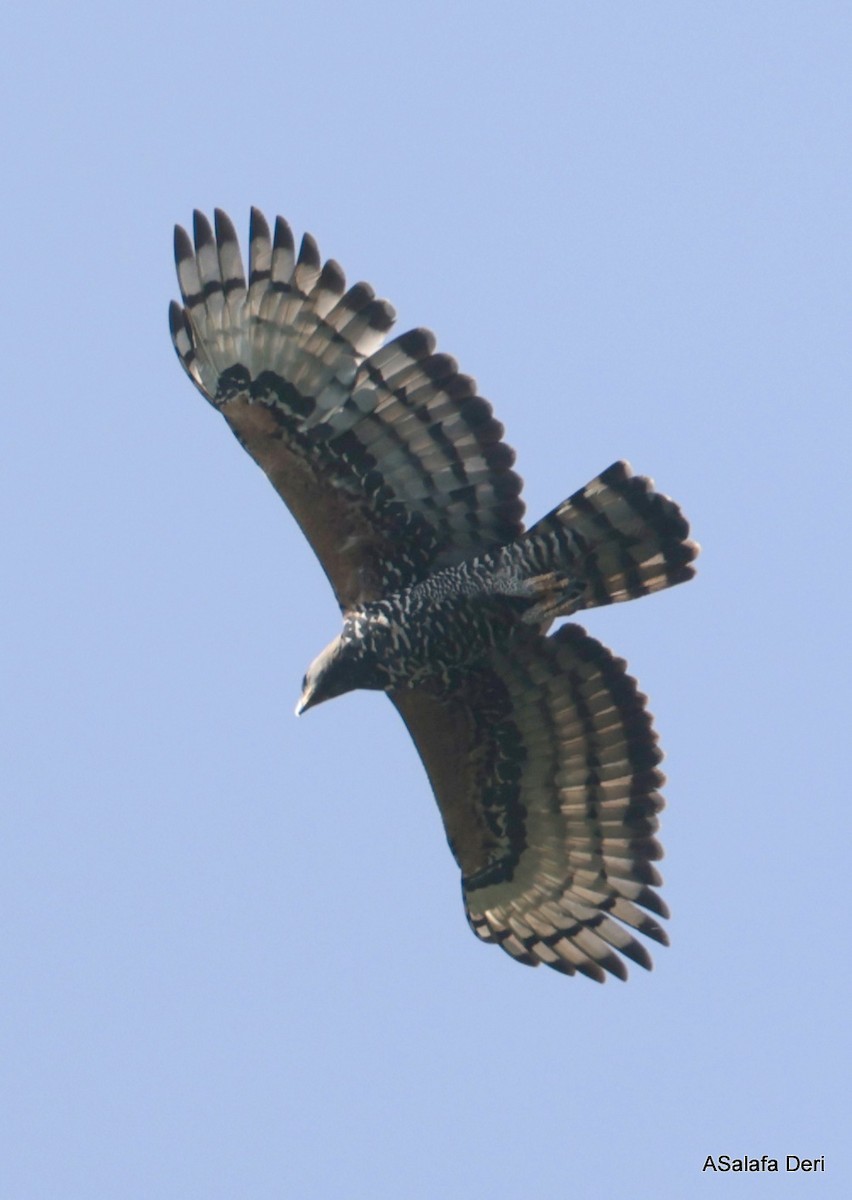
<point>307,698</point>
<point>319,684</point>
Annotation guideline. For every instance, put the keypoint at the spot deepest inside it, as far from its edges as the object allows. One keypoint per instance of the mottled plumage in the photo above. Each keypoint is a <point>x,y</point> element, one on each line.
<point>539,748</point>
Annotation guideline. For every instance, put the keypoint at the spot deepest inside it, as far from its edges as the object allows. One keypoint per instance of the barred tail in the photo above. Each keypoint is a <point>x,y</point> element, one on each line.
<point>615,539</point>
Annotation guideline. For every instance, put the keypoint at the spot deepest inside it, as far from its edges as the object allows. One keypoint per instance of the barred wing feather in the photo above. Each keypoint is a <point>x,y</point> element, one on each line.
<point>544,766</point>
<point>390,462</point>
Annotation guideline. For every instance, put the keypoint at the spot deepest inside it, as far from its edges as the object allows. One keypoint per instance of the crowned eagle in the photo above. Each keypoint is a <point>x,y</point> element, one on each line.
<point>538,746</point>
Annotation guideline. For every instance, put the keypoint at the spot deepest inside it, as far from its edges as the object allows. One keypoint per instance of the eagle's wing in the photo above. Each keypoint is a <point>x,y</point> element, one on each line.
<point>544,765</point>
<point>385,455</point>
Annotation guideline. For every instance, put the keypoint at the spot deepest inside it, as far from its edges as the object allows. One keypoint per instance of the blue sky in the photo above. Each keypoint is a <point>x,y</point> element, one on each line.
<point>235,961</point>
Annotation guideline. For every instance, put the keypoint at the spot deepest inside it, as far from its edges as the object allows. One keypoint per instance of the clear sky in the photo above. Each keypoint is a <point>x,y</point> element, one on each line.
<point>234,959</point>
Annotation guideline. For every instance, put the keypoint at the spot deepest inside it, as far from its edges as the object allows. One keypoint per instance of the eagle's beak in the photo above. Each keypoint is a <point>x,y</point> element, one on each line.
<point>325,677</point>
<point>312,692</point>
<point>305,700</point>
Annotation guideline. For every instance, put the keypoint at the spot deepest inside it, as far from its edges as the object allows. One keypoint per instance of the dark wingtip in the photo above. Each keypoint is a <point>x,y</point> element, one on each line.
<point>381,315</point>
<point>183,245</point>
<point>618,472</point>
<point>202,229</point>
<point>332,277</point>
<point>258,226</point>
<point>309,254</point>
<point>283,235</point>
<point>176,318</point>
<point>417,343</point>
<point>225,231</point>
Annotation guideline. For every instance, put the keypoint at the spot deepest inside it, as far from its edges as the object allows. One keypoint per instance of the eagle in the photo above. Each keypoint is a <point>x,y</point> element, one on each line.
<point>538,745</point>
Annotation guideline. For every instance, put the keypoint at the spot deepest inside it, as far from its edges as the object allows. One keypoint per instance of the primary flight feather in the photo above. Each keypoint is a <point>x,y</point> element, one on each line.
<point>539,749</point>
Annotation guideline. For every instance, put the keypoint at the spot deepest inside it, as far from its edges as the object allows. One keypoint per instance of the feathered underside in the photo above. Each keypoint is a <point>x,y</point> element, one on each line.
<point>541,752</point>
<point>546,766</point>
<point>385,455</point>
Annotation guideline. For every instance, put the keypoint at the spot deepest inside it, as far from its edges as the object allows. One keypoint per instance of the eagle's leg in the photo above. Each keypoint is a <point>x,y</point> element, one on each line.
<point>556,593</point>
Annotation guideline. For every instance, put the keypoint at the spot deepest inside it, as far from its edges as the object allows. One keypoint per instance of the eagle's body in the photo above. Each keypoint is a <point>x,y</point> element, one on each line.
<point>539,748</point>
<point>411,638</point>
<point>429,630</point>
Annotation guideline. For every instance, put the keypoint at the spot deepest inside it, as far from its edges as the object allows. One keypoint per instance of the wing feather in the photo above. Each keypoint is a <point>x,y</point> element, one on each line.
<point>388,459</point>
<point>544,766</point>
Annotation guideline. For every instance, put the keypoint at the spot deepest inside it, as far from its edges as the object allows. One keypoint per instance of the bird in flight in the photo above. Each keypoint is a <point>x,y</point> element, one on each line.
<point>538,746</point>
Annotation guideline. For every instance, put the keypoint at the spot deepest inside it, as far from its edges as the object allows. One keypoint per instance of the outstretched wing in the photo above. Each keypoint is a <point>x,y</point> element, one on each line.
<point>385,455</point>
<point>544,765</point>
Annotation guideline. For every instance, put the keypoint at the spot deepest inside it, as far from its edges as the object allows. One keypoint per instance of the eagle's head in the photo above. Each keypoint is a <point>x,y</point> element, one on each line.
<point>341,667</point>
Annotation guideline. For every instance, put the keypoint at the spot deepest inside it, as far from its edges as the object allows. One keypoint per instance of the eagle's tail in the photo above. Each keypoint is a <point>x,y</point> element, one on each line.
<point>613,540</point>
